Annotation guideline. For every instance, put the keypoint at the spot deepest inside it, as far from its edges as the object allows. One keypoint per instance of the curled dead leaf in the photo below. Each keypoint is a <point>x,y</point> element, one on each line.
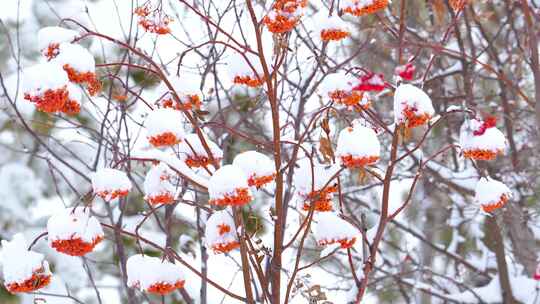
<point>325,147</point>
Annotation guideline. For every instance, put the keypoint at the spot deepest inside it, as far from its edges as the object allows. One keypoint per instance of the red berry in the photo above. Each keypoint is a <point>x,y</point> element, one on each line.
<point>406,71</point>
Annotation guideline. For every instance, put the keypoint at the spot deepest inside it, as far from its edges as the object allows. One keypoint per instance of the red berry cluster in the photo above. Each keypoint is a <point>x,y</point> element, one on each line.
<point>406,72</point>
<point>371,82</point>
<point>489,122</point>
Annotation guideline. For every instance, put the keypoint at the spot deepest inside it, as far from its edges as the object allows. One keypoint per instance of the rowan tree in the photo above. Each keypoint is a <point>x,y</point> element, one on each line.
<point>285,151</point>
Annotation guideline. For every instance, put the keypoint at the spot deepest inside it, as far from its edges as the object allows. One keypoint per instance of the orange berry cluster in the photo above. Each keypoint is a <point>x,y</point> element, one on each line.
<point>350,161</point>
<point>164,139</point>
<point>163,288</point>
<point>252,82</point>
<point>163,198</point>
<point>39,279</point>
<point>492,207</point>
<point>284,15</point>
<point>240,197</point>
<point>223,228</point>
<point>225,247</point>
<point>360,10</point>
<point>112,194</point>
<point>334,35</point>
<point>153,21</point>
<point>52,51</point>
<point>88,78</point>
<point>349,99</point>
<point>413,118</point>
<point>322,199</point>
<point>196,161</point>
<point>75,246</point>
<point>481,154</point>
<point>254,181</point>
<point>71,107</point>
<point>190,103</point>
<point>344,243</point>
<point>50,101</point>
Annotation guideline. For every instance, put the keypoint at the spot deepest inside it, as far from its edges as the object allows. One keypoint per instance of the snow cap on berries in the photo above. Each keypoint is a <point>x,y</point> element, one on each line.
<point>164,127</point>
<point>157,186</point>
<point>258,167</point>
<point>340,89</point>
<point>339,81</point>
<point>220,232</point>
<point>242,73</point>
<point>229,187</point>
<point>481,140</point>
<point>193,153</point>
<point>412,106</point>
<point>491,194</point>
<point>46,85</point>
<point>187,88</point>
<point>110,183</point>
<point>154,275</point>
<point>42,77</point>
<point>358,146</point>
<point>306,182</point>
<point>23,270</point>
<point>314,185</point>
<point>332,229</point>
<point>76,57</point>
<point>74,231</point>
<point>331,28</point>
